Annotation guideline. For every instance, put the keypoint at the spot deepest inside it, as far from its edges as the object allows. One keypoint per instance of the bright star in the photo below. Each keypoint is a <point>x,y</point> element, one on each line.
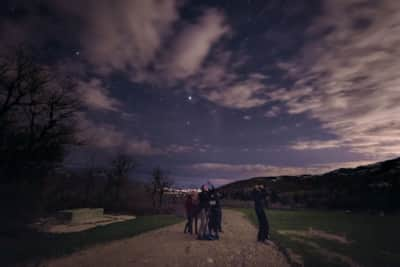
<point>190,98</point>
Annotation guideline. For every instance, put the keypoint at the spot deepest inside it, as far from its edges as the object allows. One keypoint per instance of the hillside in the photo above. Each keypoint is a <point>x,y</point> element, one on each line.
<point>374,186</point>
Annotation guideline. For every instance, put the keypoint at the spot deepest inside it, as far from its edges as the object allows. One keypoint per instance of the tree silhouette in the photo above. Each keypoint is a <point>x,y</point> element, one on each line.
<point>118,176</point>
<point>37,118</point>
<point>160,182</point>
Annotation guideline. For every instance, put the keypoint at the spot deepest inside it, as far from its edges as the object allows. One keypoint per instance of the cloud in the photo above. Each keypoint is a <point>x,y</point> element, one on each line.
<point>346,76</point>
<point>97,97</point>
<point>148,42</point>
<point>274,111</point>
<point>219,181</point>
<point>192,46</point>
<point>247,117</point>
<point>196,147</point>
<point>316,144</point>
<point>240,171</point>
<point>140,39</point>
<point>125,35</point>
<point>11,34</point>
<point>222,82</point>
<point>141,147</point>
<point>30,29</point>
<point>107,136</point>
<point>240,95</point>
<point>174,148</point>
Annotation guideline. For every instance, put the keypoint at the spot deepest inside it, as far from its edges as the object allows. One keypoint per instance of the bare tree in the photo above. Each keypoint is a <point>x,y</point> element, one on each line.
<point>16,79</point>
<point>92,174</point>
<point>160,182</point>
<point>38,111</point>
<point>118,176</point>
<point>37,118</point>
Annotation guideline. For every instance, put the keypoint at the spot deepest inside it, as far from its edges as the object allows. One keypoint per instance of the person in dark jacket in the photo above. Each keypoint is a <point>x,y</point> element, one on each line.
<point>196,210</point>
<point>219,212</point>
<point>218,207</point>
<point>259,195</point>
<point>189,210</point>
<point>213,214</point>
<point>204,206</point>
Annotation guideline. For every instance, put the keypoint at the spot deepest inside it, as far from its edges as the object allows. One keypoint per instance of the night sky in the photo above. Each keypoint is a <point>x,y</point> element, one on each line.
<point>222,90</point>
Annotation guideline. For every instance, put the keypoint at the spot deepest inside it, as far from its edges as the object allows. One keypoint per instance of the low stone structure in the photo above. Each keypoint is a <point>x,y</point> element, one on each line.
<point>76,220</point>
<point>78,216</point>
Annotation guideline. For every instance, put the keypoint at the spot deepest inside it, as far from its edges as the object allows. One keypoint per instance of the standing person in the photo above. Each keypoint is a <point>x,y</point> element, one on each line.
<point>196,209</point>
<point>189,209</point>
<point>219,212</point>
<point>218,209</point>
<point>213,215</point>
<point>203,212</point>
<point>259,195</point>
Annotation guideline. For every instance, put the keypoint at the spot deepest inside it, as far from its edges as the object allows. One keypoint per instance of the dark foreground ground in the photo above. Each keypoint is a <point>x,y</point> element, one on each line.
<point>169,246</point>
<point>33,247</point>
<point>314,238</point>
<point>336,238</point>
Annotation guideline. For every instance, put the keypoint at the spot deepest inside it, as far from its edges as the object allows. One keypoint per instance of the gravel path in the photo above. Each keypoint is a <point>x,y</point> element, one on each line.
<point>170,247</point>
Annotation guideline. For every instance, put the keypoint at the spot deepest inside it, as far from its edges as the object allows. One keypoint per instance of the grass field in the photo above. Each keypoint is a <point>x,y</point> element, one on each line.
<point>33,246</point>
<point>374,240</point>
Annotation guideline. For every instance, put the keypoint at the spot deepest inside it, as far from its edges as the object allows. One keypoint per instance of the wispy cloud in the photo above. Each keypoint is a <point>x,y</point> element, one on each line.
<point>96,96</point>
<point>347,77</point>
<point>274,111</point>
<point>222,82</point>
<point>139,39</point>
<point>316,144</point>
<point>247,117</point>
<point>150,42</point>
<point>233,172</point>
<point>108,136</point>
<point>193,44</point>
<point>124,35</point>
<point>240,94</point>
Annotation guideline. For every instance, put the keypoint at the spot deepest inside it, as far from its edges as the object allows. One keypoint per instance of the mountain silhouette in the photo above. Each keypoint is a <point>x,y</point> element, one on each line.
<point>370,187</point>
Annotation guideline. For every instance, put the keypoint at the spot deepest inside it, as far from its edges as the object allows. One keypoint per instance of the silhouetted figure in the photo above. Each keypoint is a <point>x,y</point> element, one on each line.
<point>196,210</point>
<point>203,212</point>
<point>213,214</point>
<point>189,209</point>
<point>219,212</point>
<point>259,195</point>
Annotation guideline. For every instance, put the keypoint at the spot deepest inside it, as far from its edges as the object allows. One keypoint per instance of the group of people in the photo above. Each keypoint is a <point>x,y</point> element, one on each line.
<point>205,207</point>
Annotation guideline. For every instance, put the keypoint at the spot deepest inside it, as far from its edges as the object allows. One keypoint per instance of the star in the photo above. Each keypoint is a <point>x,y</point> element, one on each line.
<point>190,98</point>
<point>77,53</point>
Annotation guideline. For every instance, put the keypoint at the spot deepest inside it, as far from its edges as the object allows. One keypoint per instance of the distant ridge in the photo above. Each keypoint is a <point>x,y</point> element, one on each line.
<point>374,186</point>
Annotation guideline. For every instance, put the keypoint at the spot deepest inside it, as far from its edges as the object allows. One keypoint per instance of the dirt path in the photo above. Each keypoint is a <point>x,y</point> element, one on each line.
<point>170,247</point>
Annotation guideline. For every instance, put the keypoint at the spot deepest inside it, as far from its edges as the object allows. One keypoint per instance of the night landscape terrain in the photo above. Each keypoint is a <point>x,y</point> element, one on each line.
<point>373,188</point>
<point>273,123</point>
